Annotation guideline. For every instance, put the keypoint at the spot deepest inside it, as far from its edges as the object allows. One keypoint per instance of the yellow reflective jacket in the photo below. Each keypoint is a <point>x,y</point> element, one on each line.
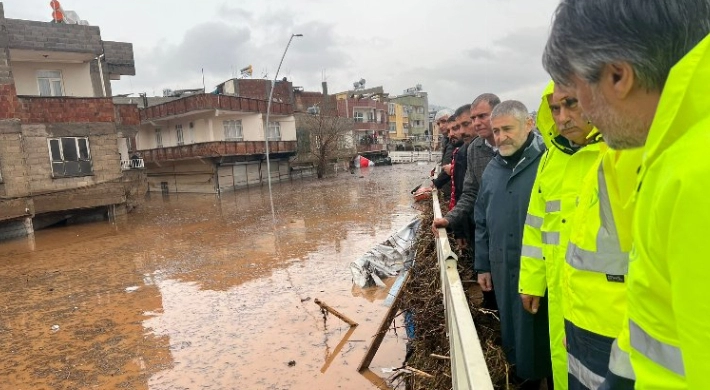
<point>669,309</point>
<point>596,262</point>
<point>552,201</point>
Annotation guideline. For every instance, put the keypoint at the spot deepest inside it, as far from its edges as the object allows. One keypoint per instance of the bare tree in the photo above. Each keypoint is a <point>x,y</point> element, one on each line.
<point>324,139</point>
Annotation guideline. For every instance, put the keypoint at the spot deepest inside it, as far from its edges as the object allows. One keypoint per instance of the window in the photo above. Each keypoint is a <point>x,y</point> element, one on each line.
<point>70,156</point>
<point>233,130</point>
<point>370,116</point>
<point>180,135</point>
<point>50,83</point>
<point>393,127</point>
<point>158,138</point>
<point>274,131</point>
<point>359,116</point>
<point>390,109</point>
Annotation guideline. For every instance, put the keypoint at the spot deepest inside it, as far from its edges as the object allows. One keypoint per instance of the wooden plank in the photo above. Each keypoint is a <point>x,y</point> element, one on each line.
<point>382,330</point>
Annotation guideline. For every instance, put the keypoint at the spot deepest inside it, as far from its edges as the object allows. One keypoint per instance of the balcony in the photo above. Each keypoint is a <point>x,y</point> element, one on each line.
<point>371,148</point>
<point>205,102</point>
<point>136,163</point>
<point>375,126</point>
<point>63,109</point>
<point>217,149</point>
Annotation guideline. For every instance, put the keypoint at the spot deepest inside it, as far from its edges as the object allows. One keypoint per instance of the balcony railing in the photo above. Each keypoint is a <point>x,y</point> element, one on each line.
<point>136,163</point>
<point>371,148</point>
<point>212,102</point>
<point>217,149</point>
<point>377,126</point>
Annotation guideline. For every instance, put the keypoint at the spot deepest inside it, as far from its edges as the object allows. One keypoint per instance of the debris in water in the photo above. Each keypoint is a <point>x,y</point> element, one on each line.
<point>336,313</point>
<point>55,328</point>
<point>386,259</point>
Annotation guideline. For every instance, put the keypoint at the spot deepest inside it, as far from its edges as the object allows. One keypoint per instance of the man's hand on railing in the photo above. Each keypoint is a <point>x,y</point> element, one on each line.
<point>485,281</point>
<point>531,303</point>
<point>439,223</point>
<point>447,168</point>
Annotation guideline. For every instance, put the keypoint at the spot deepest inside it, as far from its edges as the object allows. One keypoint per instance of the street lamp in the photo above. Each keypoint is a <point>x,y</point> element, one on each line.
<point>266,126</point>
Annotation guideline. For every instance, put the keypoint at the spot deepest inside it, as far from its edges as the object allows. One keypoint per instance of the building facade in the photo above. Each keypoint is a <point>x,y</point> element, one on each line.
<point>416,106</point>
<point>368,110</point>
<point>60,133</point>
<point>208,143</point>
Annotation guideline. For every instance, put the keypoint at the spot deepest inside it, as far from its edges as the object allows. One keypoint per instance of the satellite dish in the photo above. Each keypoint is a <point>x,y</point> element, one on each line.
<point>356,84</point>
<point>419,87</point>
<point>362,82</point>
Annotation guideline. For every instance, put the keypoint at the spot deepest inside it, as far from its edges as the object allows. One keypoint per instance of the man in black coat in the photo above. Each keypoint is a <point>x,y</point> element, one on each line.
<point>500,211</point>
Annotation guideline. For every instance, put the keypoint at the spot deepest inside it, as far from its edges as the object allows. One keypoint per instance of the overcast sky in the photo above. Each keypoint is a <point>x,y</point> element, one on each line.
<point>456,49</point>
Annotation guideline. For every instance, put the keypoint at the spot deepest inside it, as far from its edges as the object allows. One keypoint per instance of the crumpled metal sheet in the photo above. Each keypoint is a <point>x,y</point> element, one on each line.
<point>388,258</point>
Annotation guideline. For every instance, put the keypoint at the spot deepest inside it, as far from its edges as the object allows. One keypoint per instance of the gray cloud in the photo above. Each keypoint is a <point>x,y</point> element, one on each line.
<point>510,68</point>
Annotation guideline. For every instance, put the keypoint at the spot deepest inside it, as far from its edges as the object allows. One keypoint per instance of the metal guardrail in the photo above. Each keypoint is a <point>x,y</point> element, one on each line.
<point>409,157</point>
<point>468,366</point>
<point>136,163</point>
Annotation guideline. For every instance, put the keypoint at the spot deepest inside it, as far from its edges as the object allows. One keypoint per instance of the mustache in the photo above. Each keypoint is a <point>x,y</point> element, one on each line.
<point>569,126</point>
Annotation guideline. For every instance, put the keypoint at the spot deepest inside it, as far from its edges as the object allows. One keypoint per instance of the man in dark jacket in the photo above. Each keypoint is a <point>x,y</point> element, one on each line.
<point>499,214</point>
<point>443,181</point>
<point>479,153</point>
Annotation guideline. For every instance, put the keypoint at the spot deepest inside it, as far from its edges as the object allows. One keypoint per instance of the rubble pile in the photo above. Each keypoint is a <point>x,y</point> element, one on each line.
<point>423,303</point>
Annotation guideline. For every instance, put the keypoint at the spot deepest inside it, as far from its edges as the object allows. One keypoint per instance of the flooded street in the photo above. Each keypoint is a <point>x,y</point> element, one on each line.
<point>201,292</point>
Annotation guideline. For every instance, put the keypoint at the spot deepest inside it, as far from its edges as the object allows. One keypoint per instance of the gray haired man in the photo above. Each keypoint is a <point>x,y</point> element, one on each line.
<point>499,214</point>
<point>641,71</point>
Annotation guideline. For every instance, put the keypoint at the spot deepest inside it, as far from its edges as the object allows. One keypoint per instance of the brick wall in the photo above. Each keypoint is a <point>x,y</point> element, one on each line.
<point>127,114</point>
<point>259,89</point>
<point>66,110</point>
<point>209,101</point>
<point>8,93</point>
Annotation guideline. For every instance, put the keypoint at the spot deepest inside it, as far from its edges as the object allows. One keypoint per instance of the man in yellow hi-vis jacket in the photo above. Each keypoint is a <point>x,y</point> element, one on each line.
<point>596,265</point>
<point>572,150</point>
<point>642,75</point>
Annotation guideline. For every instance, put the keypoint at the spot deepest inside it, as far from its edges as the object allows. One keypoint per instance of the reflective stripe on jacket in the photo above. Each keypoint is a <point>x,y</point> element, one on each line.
<point>669,309</point>
<point>552,200</point>
<point>596,267</point>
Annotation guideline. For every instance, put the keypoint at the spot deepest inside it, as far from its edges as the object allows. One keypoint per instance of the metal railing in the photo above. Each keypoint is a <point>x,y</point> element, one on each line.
<point>136,163</point>
<point>412,156</point>
<point>468,366</point>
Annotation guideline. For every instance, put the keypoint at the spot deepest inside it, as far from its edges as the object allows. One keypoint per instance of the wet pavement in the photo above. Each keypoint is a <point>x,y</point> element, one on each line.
<point>201,292</point>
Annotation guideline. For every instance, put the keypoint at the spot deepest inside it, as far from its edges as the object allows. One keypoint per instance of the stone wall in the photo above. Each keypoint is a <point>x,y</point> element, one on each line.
<point>32,35</point>
<point>15,229</point>
<point>119,58</point>
<point>103,143</point>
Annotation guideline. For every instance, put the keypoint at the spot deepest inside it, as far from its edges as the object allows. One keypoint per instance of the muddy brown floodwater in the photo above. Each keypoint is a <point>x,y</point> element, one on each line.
<point>201,292</point>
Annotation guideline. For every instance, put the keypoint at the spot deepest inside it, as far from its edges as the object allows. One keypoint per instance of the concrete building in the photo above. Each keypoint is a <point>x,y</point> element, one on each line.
<point>416,106</point>
<point>60,133</point>
<point>317,118</point>
<point>369,111</point>
<point>398,122</point>
<point>208,143</point>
